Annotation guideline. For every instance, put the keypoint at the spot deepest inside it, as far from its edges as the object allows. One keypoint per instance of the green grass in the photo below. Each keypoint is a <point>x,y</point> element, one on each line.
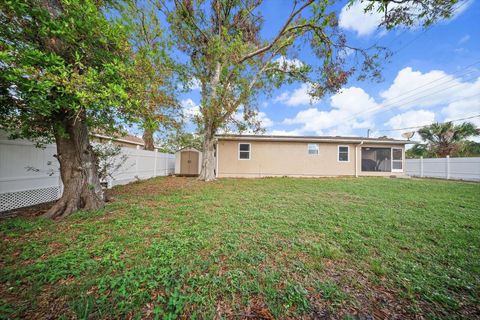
<point>281,247</point>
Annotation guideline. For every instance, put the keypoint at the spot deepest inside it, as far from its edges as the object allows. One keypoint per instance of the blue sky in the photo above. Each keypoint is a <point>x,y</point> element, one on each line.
<point>434,75</point>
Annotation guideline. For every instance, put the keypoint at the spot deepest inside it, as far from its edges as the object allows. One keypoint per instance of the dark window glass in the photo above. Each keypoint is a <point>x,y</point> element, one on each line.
<point>244,147</point>
<point>397,154</point>
<point>376,159</point>
<point>313,148</point>
<point>244,154</point>
<point>342,153</point>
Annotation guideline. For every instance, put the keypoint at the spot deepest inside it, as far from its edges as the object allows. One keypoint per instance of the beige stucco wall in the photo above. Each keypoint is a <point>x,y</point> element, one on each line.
<point>288,159</point>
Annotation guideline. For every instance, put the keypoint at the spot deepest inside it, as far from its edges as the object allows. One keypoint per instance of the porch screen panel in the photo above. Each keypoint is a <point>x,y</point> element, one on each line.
<point>376,159</point>
<point>397,159</point>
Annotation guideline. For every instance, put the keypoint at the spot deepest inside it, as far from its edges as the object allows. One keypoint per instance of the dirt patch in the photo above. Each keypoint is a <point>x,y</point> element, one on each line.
<point>31,211</point>
<point>152,187</point>
<point>157,186</point>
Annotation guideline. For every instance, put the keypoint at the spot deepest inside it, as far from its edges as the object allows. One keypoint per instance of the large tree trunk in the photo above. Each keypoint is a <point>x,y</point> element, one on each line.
<point>148,139</point>
<point>208,157</point>
<point>81,185</point>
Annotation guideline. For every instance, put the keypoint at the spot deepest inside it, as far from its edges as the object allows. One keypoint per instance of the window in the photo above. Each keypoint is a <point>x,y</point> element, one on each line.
<point>343,152</point>
<point>377,159</point>
<point>244,151</point>
<point>397,160</point>
<point>313,149</point>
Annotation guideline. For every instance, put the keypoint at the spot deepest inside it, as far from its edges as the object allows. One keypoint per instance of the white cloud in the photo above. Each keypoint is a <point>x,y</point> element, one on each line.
<point>265,121</point>
<point>261,117</point>
<point>337,121</point>
<point>464,39</point>
<point>195,84</point>
<point>416,89</point>
<point>190,108</point>
<point>297,97</point>
<point>285,132</point>
<point>464,108</point>
<point>355,19</point>
<point>411,119</point>
<point>288,64</point>
<point>418,99</point>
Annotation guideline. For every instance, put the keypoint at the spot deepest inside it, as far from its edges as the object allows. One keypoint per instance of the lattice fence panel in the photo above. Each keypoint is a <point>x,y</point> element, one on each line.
<point>14,200</point>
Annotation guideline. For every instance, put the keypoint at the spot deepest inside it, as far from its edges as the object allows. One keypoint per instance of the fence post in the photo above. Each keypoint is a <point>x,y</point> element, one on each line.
<point>421,167</point>
<point>155,164</point>
<point>166,165</point>
<point>136,161</point>
<point>448,167</point>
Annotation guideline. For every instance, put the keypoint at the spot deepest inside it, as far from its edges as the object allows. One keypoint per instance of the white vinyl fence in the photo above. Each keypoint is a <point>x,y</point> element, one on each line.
<point>30,175</point>
<point>445,168</point>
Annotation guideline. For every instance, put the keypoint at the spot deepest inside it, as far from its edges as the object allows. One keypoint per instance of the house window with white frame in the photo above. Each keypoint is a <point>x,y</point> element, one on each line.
<point>244,151</point>
<point>313,149</point>
<point>343,153</point>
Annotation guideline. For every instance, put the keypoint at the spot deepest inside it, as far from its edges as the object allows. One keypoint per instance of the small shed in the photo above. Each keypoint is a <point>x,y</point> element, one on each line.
<point>188,162</point>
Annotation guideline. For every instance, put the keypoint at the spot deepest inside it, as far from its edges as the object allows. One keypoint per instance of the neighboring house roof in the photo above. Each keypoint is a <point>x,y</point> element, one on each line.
<point>241,137</point>
<point>130,139</point>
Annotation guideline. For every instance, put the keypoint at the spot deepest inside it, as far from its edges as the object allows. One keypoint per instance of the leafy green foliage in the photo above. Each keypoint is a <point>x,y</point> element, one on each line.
<point>173,141</point>
<point>444,139</point>
<point>156,75</point>
<point>60,61</point>
<point>284,247</point>
<point>412,13</point>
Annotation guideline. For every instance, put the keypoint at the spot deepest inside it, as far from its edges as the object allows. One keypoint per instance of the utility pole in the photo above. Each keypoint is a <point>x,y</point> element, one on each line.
<point>368,133</point>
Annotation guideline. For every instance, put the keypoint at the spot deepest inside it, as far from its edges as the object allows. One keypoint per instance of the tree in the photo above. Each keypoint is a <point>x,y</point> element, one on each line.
<point>155,72</point>
<point>226,53</point>
<point>63,69</point>
<point>417,150</point>
<point>178,139</point>
<point>470,149</point>
<point>443,139</point>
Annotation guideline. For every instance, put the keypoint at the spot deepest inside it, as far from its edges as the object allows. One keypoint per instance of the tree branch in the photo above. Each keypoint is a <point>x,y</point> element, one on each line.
<point>278,36</point>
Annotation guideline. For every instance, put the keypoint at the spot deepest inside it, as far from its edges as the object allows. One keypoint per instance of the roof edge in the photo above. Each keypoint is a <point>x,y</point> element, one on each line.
<point>311,138</point>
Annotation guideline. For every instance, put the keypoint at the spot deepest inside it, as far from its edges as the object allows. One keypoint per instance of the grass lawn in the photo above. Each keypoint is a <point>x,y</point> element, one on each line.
<point>268,248</point>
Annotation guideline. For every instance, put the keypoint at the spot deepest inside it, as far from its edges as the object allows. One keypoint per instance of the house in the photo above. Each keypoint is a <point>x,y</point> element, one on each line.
<point>308,156</point>
<point>128,140</point>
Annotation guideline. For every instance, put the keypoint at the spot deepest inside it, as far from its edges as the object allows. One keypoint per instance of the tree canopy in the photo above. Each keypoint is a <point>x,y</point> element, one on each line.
<point>64,72</point>
<point>59,59</point>
<point>156,74</point>
<point>446,139</point>
<point>411,13</point>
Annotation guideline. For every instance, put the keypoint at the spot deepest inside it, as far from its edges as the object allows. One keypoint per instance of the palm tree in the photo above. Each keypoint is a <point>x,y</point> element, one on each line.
<point>446,138</point>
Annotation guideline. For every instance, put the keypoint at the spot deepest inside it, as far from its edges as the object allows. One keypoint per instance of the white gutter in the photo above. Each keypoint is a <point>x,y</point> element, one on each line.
<point>315,140</point>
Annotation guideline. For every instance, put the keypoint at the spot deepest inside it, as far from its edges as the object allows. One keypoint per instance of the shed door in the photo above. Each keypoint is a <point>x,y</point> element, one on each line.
<point>189,162</point>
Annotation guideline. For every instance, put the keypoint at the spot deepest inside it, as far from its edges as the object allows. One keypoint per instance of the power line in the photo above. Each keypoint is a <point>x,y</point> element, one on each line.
<point>458,73</point>
<point>443,77</point>
<point>407,128</point>
<point>388,106</point>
